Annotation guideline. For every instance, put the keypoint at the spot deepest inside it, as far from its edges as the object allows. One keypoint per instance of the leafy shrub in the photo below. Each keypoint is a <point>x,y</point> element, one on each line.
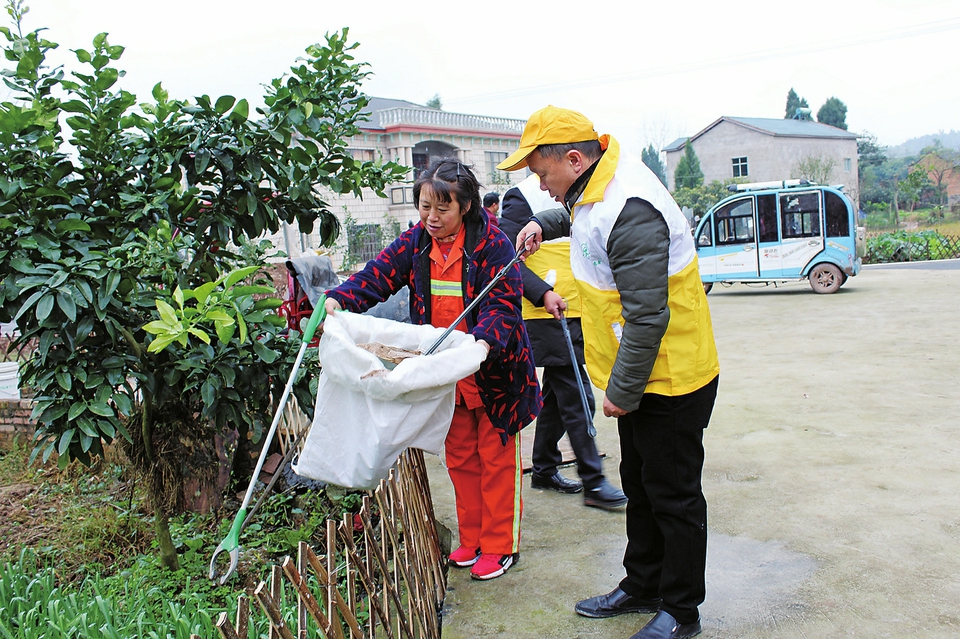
<point>904,246</point>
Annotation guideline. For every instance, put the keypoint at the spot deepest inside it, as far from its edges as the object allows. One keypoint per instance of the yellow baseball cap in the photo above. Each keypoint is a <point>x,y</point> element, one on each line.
<point>550,125</point>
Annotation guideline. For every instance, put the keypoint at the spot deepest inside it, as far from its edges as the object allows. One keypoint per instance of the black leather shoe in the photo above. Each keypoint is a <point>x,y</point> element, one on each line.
<point>556,482</point>
<point>664,626</point>
<point>606,496</point>
<point>615,603</point>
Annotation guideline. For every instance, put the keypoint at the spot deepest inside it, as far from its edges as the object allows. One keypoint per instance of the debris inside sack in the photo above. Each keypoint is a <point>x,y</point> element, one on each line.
<point>389,355</point>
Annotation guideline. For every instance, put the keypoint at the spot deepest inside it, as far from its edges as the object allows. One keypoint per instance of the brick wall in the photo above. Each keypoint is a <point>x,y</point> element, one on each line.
<point>15,420</point>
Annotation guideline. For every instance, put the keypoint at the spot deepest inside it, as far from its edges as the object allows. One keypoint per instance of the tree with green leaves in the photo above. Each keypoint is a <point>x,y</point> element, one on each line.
<point>651,157</point>
<point>911,188</point>
<point>834,113</point>
<point>129,252</point>
<point>816,167</point>
<point>940,164</point>
<point>688,173</point>
<point>869,156</point>
<point>435,102</point>
<point>869,151</point>
<point>795,102</point>
<point>700,198</point>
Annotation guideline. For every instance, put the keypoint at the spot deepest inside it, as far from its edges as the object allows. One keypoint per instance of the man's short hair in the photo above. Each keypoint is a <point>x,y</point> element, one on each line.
<point>490,199</point>
<point>591,149</point>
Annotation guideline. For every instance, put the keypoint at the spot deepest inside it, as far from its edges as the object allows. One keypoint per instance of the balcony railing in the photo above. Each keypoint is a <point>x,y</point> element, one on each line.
<point>398,116</point>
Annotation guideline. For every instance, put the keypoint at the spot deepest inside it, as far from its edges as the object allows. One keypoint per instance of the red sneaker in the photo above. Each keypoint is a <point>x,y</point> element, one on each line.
<point>464,556</point>
<point>491,566</point>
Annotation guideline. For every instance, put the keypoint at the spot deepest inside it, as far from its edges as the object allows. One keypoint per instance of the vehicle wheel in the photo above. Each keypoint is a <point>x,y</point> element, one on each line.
<point>826,278</point>
<point>707,286</point>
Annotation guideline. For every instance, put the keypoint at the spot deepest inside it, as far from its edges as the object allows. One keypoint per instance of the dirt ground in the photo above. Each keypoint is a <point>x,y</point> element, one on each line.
<point>832,478</point>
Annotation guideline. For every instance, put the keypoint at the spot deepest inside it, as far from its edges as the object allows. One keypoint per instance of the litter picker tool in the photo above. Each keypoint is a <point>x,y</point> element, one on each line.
<point>231,543</point>
<point>576,369</point>
<point>482,294</point>
<point>551,279</point>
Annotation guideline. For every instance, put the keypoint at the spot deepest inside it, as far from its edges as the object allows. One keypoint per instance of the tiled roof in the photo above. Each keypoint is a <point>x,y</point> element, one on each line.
<point>794,128</point>
<point>774,126</point>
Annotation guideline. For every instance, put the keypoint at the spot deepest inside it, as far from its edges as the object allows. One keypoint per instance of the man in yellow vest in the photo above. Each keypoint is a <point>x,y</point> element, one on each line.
<point>563,410</point>
<point>648,343</point>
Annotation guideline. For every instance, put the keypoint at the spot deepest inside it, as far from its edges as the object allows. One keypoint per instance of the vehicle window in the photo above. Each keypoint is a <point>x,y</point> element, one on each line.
<point>800,214</point>
<point>706,236</point>
<point>838,217</point>
<point>767,216</point>
<point>735,222</point>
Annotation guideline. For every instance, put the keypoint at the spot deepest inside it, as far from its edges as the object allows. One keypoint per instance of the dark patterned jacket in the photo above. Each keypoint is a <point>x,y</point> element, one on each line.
<point>507,379</point>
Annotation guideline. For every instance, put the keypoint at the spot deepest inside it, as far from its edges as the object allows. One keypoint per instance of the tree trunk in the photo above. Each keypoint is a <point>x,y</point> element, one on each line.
<point>168,552</point>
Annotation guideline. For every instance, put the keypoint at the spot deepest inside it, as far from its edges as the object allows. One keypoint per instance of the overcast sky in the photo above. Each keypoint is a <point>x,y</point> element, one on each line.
<point>643,71</point>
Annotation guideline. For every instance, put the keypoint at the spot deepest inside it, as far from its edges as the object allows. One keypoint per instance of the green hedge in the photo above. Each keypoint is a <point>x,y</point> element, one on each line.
<point>907,246</point>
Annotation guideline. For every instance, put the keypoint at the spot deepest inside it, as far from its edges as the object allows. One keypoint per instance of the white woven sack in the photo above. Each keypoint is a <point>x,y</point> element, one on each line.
<point>361,426</point>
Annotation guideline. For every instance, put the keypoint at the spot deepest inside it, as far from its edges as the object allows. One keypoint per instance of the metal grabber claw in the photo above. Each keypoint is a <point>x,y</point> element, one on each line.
<point>231,545</point>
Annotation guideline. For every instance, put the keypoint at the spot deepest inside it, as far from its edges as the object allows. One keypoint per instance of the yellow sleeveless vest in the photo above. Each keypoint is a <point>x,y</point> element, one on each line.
<point>687,359</point>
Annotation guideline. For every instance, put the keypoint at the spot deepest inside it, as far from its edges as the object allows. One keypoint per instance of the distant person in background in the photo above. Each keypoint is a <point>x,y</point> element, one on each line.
<point>562,406</point>
<point>491,206</point>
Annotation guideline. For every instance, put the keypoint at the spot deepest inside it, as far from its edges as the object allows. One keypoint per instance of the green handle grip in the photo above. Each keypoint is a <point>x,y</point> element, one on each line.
<point>232,540</point>
<point>318,315</point>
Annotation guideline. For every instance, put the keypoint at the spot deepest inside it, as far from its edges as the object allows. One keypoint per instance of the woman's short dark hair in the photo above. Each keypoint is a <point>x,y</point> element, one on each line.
<point>451,179</point>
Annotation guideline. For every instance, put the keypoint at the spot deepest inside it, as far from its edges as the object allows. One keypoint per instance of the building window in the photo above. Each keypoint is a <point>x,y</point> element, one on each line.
<point>401,195</point>
<point>421,161</point>
<point>493,158</point>
<point>739,167</point>
<point>847,164</point>
<point>364,155</point>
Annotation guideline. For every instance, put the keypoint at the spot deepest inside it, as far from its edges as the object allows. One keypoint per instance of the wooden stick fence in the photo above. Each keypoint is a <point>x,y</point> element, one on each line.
<point>380,574</point>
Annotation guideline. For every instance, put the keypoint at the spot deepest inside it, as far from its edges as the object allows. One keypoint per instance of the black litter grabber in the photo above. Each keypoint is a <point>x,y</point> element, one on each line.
<point>551,279</point>
<point>480,296</point>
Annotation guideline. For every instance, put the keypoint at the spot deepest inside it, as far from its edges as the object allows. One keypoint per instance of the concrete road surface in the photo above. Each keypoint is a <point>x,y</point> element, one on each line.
<point>832,479</point>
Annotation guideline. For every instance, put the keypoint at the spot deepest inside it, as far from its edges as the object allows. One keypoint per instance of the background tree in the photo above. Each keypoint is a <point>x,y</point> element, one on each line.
<point>940,164</point>
<point>651,157</point>
<point>793,103</point>
<point>700,198</point>
<point>911,188</point>
<point>127,247</point>
<point>869,156</point>
<point>887,185</point>
<point>834,113</point>
<point>435,102</point>
<point>688,174</point>
<point>869,151</point>
<point>816,168</point>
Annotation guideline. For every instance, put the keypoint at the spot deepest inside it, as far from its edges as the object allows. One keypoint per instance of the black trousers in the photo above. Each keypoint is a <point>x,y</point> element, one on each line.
<point>661,448</point>
<point>563,412</point>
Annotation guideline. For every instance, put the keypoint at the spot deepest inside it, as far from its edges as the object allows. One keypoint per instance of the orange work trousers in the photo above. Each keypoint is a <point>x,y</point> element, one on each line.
<point>486,480</point>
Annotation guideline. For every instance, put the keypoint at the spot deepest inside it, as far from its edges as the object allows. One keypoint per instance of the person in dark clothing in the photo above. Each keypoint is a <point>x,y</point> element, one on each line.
<point>445,262</point>
<point>562,406</point>
<point>491,205</point>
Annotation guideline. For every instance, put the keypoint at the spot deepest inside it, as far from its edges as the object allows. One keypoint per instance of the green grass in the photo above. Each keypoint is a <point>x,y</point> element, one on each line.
<point>78,559</point>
